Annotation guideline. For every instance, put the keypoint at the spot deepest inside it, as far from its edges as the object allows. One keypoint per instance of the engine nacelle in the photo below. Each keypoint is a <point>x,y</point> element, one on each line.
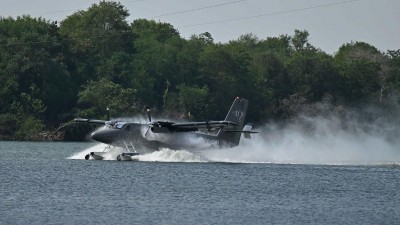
<point>156,129</point>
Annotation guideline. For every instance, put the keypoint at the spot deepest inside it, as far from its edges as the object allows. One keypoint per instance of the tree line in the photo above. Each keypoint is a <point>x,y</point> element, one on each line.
<point>52,72</point>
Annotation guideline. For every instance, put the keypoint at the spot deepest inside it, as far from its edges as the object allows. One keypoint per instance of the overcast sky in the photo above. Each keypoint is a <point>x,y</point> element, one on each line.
<point>330,23</point>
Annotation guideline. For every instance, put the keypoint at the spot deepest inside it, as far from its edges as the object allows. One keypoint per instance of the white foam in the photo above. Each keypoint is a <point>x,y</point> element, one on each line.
<point>327,144</point>
<point>168,155</point>
<point>164,155</point>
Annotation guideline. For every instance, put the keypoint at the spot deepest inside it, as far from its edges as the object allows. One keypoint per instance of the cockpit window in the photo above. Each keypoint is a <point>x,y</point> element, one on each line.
<point>119,125</point>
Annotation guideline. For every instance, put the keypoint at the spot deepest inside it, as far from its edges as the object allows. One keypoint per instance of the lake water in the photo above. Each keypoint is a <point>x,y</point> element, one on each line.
<point>47,183</point>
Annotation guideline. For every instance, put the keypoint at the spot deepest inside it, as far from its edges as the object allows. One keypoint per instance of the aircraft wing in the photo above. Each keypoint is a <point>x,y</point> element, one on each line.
<point>90,121</point>
<point>204,125</point>
<point>164,126</point>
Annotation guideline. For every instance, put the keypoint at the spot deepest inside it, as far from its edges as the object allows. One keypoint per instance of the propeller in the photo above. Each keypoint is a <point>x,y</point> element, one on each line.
<point>208,126</point>
<point>149,116</point>
<point>148,113</point>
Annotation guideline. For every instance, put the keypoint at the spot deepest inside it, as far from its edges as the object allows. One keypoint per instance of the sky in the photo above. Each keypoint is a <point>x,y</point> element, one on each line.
<point>330,23</point>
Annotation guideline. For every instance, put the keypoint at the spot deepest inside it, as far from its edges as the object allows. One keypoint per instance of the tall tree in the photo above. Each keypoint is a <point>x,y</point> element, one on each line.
<point>100,95</point>
<point>224,70</point>
<point>394,71</point>
<point>95,35</point>
<point>312,74</point>
<point>32,67</point>
<point>156,69</point>
<point>300,40</point>
<point>363,70</point>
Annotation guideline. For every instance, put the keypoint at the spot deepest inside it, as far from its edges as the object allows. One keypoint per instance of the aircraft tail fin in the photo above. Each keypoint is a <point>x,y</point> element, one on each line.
<point>237,114</point>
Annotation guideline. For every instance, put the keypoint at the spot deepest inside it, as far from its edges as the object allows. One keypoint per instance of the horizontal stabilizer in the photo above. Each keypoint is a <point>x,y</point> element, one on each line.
<point>246,131</point>
<point>241,131</point>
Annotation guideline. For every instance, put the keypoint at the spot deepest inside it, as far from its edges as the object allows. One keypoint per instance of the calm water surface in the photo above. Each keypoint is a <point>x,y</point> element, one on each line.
<point>41,185</point>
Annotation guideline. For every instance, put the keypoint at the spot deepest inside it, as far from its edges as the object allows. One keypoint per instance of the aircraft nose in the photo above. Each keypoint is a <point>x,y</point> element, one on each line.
<point>107,136</point>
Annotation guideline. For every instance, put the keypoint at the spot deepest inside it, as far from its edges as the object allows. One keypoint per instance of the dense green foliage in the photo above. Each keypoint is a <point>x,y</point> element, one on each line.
<point>52,72</point>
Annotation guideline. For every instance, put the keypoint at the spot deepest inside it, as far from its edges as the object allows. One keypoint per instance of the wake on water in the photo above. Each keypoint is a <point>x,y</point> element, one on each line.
<point>163,155</point>
<point>313,140</point>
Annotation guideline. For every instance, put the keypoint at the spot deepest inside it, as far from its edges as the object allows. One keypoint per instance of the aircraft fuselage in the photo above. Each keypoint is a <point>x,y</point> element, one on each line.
<point>140,136</point>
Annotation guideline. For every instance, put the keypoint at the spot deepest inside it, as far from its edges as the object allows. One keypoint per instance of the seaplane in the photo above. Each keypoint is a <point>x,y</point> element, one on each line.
<point>137,138</point>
